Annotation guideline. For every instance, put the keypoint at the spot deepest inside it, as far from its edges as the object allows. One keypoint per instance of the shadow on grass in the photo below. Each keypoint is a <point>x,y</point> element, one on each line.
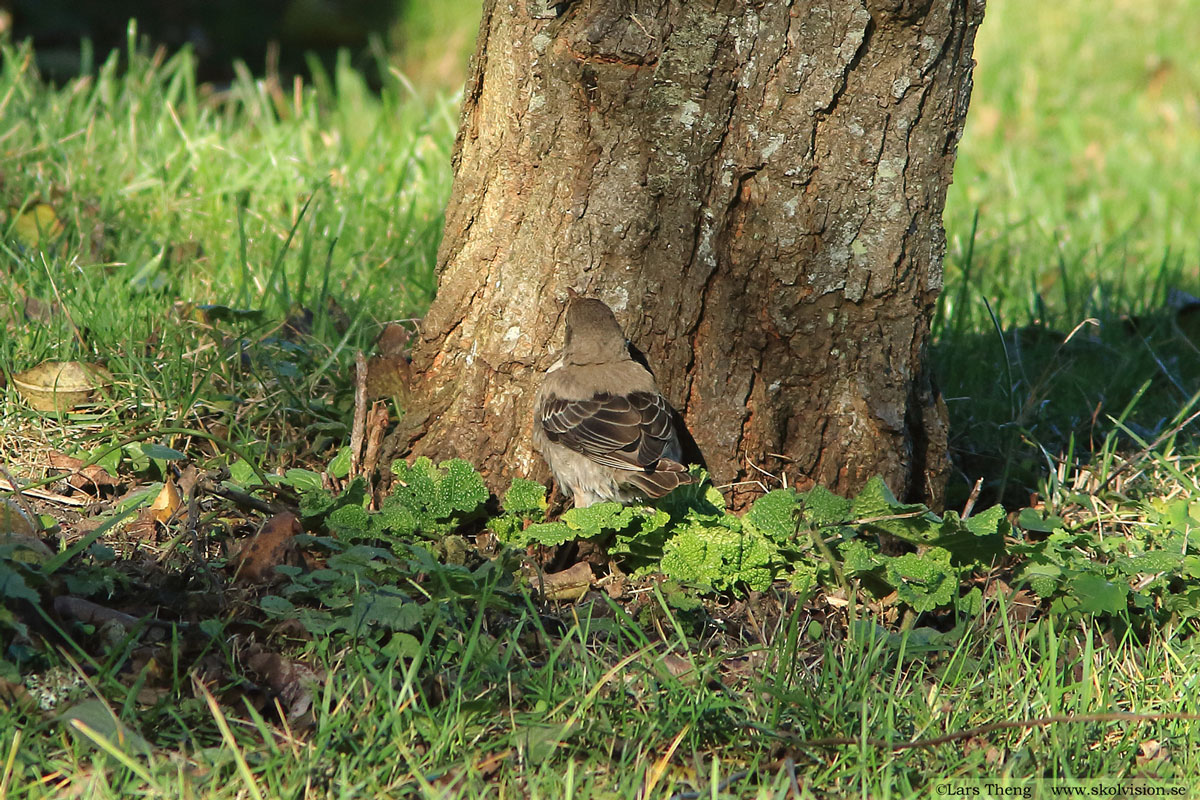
<point>1033,404</point>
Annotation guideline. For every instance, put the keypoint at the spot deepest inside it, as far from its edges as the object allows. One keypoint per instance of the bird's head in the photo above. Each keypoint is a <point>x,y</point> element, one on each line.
<point>593,334</point>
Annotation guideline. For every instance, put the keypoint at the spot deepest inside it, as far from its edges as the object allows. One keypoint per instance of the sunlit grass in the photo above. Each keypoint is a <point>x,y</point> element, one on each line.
<point>1075,198</point>
<point>1082,147</point>
<point>132,199</point>
<point>1076,194</point>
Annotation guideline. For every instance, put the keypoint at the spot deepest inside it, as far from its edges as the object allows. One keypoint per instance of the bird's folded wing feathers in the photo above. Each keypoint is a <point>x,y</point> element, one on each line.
<point>624,431</point>
<point>668,476</point>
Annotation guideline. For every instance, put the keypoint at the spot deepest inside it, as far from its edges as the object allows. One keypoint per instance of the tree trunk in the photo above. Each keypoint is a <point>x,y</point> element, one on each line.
<point>756,188</point>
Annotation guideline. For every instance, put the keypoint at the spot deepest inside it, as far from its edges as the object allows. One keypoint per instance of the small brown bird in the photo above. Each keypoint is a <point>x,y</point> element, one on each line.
<point>600,421</point>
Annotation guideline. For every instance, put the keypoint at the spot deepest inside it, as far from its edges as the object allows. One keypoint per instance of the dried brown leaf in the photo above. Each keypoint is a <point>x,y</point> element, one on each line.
<point>489,765</point>
<point>293,680</point>
<point>393,341</point>
<point>387,377</point>
<point>92,477</point>
<point>14,695</point>
<point>143,528</point>
<point>273,545</point>
<point>1149,751</point>
<point>678,666</point>
<point>570,584</point>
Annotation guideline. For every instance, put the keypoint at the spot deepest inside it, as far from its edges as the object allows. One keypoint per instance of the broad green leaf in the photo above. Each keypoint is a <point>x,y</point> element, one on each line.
<point>1030,519</point>
<point>593,520</point>
<point>162,452</point>
<point>1043,578</point>
<point>387,609</point>
<point>643,540</point>
<point>858,558</point>
<point>242,474</point>
<point>339,466</point>
<point>550,534</point>
<point>720,557</point>
<point>1150,563</point>
<point>349,521</point>
<point>979,539</point>
<point>989,522</point>
<point>394,519</point>
<point>276,606</point>
<point>95,714</point>
<point>303,480</point>
<point>453,491</point>
<point>462,489</point>
<point>971,603</point>
<point>925,581</point>
<point>315,503</point>
<point>402,645</point>
<point>691,499</point>
<point>1097,595</point>
<point>774,515</point>
<point>877,500</point>
<point>823,507</point>
<point>525,498</point>
<point>13,586</point>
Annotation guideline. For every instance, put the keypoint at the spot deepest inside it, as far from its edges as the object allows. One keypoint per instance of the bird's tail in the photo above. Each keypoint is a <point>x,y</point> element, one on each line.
<point>665,476</point>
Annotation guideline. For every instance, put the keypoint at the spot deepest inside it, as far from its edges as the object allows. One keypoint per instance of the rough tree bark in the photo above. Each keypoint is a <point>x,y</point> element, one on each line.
<point>756,188</point>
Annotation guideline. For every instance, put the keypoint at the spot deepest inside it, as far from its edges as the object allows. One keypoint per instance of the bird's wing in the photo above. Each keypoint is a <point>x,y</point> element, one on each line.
<point>669,475</point>
<point>624,431</point>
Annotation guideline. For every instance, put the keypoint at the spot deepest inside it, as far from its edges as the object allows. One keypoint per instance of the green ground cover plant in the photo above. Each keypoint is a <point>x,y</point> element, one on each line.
<point>225,252</point>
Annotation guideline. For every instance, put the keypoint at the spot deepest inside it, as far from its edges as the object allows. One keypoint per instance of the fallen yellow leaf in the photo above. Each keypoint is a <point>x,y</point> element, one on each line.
<point>37,223</point>
<point>167,502</point>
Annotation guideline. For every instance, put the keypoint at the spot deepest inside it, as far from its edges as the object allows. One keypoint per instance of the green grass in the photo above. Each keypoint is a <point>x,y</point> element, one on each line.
<point>1076,189</point>
<point>1080,159</point>
<point>589,702</point>
<point>265,199</point>
<point>1081,150</point>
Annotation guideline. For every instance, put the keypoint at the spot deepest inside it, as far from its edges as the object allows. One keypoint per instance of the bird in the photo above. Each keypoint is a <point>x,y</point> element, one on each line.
<point>599,420</point>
